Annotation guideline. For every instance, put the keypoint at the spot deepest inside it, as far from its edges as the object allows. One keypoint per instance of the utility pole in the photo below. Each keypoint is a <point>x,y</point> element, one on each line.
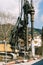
<point>32,28</point>
<point>5,49</point>
<point>42,41</point>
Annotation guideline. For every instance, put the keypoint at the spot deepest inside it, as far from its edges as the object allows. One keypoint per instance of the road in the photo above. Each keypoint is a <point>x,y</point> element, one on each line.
<point>39,63</point>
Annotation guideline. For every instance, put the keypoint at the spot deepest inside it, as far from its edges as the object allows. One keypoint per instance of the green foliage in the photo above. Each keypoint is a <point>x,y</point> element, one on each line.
<point>38,50</point>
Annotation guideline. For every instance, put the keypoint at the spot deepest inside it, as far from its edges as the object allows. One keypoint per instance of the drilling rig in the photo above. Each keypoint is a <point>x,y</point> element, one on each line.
<point>20,29</point>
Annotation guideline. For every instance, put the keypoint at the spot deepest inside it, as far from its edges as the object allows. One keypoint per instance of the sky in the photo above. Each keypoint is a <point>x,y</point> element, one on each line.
<point>13,7</point>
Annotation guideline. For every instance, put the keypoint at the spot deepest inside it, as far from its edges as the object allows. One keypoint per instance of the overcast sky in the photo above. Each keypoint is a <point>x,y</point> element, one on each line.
<point>13,6</point>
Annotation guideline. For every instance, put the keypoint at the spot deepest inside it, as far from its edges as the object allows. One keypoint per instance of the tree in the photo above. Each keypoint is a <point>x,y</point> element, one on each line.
<point>42,41</point>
